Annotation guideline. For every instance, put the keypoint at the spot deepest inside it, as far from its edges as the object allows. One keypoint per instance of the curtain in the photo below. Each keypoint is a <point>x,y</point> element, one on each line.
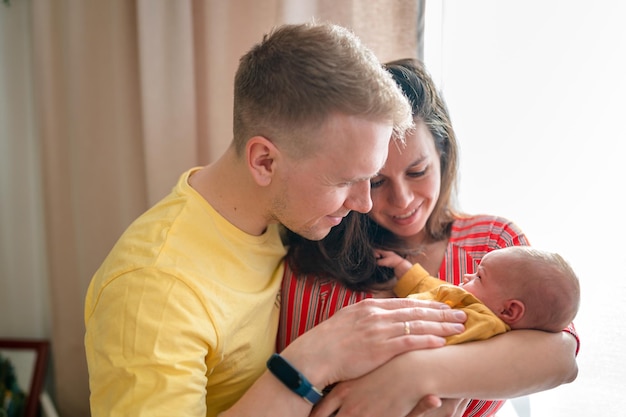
<point>102,106</point>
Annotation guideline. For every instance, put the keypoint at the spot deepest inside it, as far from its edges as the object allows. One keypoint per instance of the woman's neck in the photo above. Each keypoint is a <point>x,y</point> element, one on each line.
<point>429,254</point>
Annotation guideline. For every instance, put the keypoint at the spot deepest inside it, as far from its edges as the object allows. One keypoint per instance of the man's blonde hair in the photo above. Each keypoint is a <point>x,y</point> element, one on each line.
<point>290,83</point>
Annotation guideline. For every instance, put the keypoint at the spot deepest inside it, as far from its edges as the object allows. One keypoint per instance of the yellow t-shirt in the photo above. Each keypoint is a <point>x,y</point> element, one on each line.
<point>183,313</point>
<point>481,322</point>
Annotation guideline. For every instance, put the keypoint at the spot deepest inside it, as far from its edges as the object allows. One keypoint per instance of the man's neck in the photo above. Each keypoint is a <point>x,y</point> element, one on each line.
<point>230,190</point>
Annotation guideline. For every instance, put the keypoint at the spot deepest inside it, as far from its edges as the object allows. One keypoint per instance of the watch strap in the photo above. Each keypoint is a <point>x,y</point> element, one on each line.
<point>293,379</point>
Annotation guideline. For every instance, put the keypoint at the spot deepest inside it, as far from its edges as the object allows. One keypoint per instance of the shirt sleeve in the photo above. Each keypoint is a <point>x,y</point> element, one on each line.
<point>415,280</point>
<point>147,339</point>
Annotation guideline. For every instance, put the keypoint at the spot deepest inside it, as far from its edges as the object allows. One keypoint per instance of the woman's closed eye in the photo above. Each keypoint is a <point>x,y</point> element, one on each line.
<point>378,181</point>
<point>417,174</point>
<point>418,169</point>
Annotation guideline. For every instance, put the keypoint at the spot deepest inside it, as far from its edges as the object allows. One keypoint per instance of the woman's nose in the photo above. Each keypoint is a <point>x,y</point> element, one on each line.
<point>400,195</point>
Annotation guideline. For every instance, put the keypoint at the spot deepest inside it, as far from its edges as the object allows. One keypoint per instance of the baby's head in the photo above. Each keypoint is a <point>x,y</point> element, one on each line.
<point>527,288</point>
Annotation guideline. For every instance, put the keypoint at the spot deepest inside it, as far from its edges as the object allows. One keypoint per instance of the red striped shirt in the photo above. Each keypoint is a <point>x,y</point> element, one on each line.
<point>308,300</point>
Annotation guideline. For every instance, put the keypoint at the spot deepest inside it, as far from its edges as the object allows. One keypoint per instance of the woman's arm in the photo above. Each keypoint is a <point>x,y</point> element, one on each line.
<point>516,363</point>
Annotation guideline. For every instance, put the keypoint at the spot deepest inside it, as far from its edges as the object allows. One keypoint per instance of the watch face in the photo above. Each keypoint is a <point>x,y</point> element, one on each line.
<point>285,372</point>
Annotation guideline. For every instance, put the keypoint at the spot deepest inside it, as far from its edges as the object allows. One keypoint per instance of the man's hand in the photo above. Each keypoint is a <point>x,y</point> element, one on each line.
<point>361,337</point>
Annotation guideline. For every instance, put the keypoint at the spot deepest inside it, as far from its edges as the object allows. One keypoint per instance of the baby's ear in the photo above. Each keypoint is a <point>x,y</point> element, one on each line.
<point>512,311</point>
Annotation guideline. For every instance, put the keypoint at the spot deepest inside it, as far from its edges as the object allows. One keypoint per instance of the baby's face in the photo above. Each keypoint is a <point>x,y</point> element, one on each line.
<point>486,284</point>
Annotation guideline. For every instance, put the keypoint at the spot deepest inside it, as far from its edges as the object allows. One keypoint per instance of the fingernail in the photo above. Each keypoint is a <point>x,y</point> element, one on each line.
<point>458,314</point>
<point>459,327</point>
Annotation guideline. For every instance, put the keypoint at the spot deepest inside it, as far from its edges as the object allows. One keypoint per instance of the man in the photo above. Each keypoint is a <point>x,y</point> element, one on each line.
<point>182,315</point>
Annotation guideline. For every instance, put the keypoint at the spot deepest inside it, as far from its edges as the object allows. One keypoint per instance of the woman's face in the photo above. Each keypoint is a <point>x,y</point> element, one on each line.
<point>406,190</point>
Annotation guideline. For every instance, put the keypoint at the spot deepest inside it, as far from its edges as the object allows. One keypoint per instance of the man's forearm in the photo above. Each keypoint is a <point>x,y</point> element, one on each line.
<point>269,397</point>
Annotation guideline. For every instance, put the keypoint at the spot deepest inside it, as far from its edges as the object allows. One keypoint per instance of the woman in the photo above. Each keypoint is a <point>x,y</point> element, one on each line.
<point>413,214</point>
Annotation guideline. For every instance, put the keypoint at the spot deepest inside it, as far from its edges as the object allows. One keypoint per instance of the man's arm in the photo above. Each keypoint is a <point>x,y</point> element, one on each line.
<point>352,343</point>
<point>139,364</point>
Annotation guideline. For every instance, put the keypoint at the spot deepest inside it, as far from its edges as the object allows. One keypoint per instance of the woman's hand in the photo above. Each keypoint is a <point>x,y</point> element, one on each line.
<point>363,336</point>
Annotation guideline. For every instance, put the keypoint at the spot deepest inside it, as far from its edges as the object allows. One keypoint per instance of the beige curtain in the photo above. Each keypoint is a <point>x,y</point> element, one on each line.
<point>104,104</point>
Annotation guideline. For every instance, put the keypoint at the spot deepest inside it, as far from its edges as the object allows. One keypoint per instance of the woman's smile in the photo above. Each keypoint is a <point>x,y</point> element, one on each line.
<point>405,218</point>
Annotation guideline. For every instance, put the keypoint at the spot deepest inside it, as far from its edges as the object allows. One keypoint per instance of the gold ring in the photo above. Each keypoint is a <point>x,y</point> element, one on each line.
<point>407,329</point>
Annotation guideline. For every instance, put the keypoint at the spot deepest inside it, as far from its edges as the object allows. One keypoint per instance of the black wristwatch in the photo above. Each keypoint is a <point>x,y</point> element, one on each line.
<point>293,379</point>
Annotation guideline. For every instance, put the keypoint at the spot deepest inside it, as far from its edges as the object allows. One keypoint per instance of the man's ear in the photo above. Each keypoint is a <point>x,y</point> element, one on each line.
<point>261,156</point>
<point>512,311</point>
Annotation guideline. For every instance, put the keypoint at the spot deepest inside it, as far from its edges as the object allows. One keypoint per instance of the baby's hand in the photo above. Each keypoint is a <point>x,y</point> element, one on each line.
<point>392,260</point>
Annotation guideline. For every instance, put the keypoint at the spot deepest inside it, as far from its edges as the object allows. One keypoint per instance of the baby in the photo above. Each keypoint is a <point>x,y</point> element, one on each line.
<point>517,287</point>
